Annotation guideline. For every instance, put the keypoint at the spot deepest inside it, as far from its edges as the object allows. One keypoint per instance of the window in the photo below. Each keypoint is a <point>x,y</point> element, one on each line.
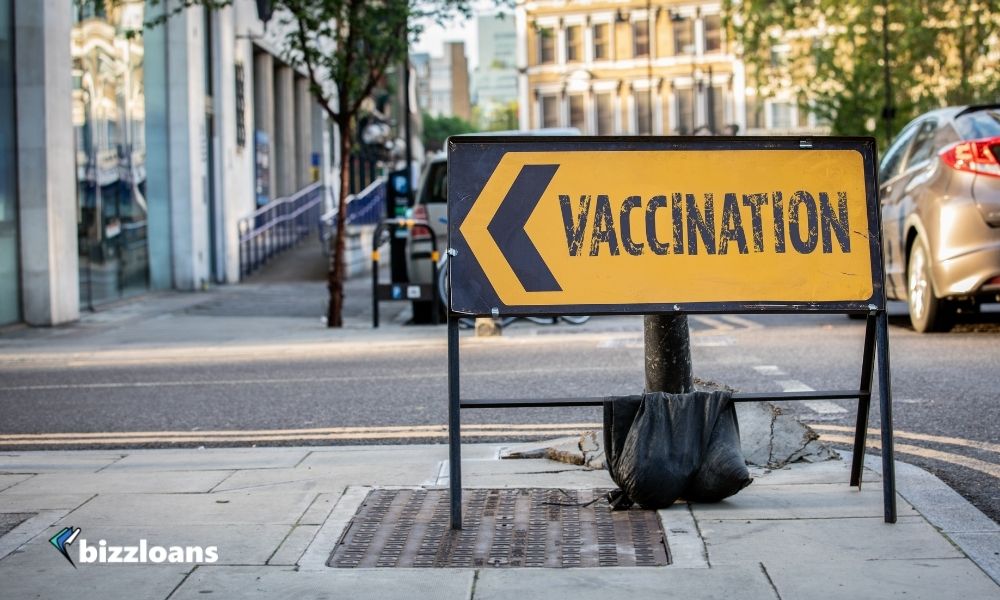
<point>781,115</point>
<point>546,46</point>
<point>605,114</point>
<point>892,161</point>
<point>643,112</point>
<point>640,38</point>
<point>602,42</point>
<point>717,108</point>
<point>550,111</point>
<point>241,106</point>
<point>574,43</point>
<point>923,143</point>
<point>713,33</point>
<point>683,35</point>
<point>577,117</point>
<point>685,110</point>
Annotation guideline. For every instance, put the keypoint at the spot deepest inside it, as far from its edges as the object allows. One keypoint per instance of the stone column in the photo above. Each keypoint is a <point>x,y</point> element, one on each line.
<point>50,291</point>
<point>263,106</point>
<point>283,145</point>
<point>303,133</point>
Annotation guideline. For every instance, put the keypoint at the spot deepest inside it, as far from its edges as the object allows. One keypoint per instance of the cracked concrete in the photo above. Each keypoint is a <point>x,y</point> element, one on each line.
<point>769,437</point>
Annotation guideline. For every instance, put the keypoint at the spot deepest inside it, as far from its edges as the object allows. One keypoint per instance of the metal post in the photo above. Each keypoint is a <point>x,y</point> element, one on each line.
<point>436,304</point>
<point>864,402</point>
<point>885,406</point>
<point>668,354</point>
<point>454,425</point>
<point>375,246</point>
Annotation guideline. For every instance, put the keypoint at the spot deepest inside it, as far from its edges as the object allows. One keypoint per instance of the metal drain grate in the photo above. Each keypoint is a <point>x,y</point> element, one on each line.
<point>502,528</point>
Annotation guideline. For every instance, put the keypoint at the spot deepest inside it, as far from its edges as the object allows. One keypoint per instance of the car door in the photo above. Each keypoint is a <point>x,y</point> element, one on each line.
<point>913,175</point>
<point>889,175</point>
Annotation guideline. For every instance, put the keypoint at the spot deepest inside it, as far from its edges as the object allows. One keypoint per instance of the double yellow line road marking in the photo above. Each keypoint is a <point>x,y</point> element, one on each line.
<point>428,432</point>
<point>835,434</point>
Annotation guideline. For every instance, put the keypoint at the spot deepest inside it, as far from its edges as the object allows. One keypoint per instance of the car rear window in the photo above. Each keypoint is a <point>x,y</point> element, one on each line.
<point>980,124</point>
<point>436,187</point>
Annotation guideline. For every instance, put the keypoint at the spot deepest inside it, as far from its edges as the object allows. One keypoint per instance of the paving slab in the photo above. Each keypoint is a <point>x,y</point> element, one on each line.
<point>11,501</point>
<point>805,501</point>
<point>7,481</point>
<point>237,508</point>
<point>294,545</point>
<point>57,579</point>
<point>529,473</point>
<point>249,583</point>
<point>819,540</point>
<point>983,548</point>
<point>120,482</point>
<point>828,471</point>
<point>850,579</point>
<point>54,461</point>
<point>639,583</point>
<point>210,459</point>
<point>334,477</point>
<point>236,545</point>
<point>319,510</point>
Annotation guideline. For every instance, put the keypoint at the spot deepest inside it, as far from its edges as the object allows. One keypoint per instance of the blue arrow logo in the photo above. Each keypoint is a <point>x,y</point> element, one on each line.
<point>63,539</point>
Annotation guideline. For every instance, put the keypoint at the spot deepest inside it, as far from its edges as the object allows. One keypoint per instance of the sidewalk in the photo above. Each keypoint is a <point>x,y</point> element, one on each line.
<point>275,515</point>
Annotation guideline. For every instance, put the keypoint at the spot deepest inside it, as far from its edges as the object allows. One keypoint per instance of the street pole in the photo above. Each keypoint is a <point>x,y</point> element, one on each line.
<point>889,110</point>
<point>668,354</point>
<point>406,126</point>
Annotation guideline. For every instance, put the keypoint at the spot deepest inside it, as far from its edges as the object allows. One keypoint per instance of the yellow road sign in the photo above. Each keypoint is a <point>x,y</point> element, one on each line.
<point>571,224</point>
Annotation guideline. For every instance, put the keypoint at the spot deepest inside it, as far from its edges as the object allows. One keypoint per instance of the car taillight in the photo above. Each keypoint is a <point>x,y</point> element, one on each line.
<point>974,156</point>
<point>420,232</point>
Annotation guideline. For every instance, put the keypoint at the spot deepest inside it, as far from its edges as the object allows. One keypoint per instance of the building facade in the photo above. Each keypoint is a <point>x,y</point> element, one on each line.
<point>627,67</point>
<point>449,83</point>
<point>172,134</point>
<point>495,77</point>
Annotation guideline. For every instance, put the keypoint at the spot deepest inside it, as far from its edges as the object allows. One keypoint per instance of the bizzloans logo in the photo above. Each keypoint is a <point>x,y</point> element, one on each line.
<point>139,554</point>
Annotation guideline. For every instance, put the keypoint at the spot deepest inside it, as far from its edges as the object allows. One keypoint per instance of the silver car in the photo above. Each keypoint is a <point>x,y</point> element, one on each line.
<point>939,185</point>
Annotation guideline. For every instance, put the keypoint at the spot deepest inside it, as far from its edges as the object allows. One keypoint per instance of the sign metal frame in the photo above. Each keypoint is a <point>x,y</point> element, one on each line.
<point>472,161</point>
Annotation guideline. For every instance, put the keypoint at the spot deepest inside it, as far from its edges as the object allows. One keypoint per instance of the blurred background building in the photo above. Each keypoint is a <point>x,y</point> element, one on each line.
<point>632,67</point>
<point>128,156</point>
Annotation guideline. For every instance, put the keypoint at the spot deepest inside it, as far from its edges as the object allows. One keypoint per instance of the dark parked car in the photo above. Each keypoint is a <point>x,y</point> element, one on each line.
<point>939,185</point>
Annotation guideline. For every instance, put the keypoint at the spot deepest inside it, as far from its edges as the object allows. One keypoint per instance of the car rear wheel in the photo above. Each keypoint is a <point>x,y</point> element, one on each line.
<point>927,311</point>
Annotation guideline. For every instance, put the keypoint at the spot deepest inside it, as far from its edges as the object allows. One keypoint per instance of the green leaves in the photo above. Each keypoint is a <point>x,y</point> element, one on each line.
<point>833,56</point>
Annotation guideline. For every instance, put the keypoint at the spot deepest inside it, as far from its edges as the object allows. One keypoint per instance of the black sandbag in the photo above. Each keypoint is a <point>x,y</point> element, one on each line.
<point>660,447</point>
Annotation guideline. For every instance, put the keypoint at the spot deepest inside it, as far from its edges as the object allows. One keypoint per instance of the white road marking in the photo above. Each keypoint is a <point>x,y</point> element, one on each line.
<point>741,322</point>
<point>772,370</point>
<point>712,322</point>
<point>823,407</point>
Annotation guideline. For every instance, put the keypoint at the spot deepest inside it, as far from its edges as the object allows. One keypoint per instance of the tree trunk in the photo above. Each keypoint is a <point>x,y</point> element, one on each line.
<point>337,269</point>
<point>668,354</point>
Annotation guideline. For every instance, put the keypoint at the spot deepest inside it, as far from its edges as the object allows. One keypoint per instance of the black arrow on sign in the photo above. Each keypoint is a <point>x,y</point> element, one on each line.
<point>507,228</point>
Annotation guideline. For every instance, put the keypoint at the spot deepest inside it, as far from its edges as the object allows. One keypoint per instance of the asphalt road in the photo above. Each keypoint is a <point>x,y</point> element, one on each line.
<point>945,386</point>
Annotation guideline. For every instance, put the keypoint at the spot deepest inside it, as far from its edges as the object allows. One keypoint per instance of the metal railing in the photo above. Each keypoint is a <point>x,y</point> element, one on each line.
<point>278,225</point>
<point>367,207</point>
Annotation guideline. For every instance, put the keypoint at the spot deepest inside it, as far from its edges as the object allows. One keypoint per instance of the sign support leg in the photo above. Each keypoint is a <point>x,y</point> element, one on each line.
<point>864,402</point>
<point>885,406</point>
<point>454,426</point>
